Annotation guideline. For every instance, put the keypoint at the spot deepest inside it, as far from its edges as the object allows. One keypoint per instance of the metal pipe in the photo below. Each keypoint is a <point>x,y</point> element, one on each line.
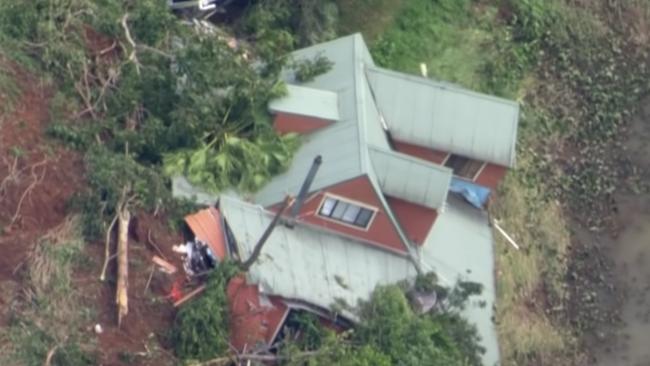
<point>304,190</point>
<point>505,235</point>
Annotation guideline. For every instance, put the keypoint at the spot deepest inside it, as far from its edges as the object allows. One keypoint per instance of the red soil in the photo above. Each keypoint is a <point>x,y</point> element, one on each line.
<point>59,173</point>
<point>54,173</point>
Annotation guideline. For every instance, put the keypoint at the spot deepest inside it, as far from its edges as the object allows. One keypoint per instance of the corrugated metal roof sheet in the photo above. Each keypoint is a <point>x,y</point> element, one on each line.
<point>308,102</point>
<point>413,180</point>
<point>339,149</point>
<point>446,117</point>
<point>460,246</point>
<point>308,264</point>
<point>252,321</point>
<point>181,187</point>
<point>343,146</point>
<point>338,144</point>
<point>206,226</point>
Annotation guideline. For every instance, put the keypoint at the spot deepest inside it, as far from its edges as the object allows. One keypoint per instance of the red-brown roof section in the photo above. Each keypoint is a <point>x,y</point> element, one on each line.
<point>206,226</point>
<point>251,322</point>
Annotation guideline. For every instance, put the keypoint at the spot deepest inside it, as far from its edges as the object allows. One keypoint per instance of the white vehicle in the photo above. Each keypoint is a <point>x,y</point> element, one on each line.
<point>186,4</point>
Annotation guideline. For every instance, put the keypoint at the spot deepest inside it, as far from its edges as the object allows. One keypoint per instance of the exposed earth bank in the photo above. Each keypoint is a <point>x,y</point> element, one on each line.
<point>38,179</point>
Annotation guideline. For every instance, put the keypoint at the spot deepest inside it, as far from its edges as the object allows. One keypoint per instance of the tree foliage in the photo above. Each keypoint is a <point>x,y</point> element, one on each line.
<point>307,70</point>
<point>389,332</point>
<point>304,22</point>
<point>201,328</point>
<point>153,91</point>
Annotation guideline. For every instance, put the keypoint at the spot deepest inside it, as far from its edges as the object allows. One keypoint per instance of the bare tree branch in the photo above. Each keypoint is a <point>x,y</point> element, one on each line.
<point>133,56</point>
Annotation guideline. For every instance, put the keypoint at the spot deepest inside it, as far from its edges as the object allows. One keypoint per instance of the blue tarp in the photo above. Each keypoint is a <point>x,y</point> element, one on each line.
<point>473,193</point>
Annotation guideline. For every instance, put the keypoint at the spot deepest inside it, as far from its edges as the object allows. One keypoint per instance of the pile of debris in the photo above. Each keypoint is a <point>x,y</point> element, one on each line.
<point>198,258</point>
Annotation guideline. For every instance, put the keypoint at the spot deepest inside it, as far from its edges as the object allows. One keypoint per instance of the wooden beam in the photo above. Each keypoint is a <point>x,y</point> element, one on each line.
<point>121,294</point>
<point>190,295</point>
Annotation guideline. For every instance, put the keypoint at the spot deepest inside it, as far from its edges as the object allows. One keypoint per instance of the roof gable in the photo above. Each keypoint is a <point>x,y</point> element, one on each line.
<point>411,179</point>
<point>343,145</point>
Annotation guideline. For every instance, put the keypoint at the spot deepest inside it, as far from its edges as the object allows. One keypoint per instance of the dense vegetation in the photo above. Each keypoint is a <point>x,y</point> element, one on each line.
<point>201,328</point>
<point>138,88</point>
<point>389,333</point>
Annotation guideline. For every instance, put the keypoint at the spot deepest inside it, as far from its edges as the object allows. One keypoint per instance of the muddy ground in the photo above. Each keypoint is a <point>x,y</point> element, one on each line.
<point>628,343</point>
<point>38,178</point>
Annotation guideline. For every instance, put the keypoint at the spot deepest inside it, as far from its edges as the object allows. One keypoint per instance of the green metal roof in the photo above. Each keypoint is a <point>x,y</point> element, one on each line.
<point>344,144</point>
<point>309,263</point>
<point>411,179</point>
<point>308,102</point>
<point>446,117</point>
<point>460,246</point>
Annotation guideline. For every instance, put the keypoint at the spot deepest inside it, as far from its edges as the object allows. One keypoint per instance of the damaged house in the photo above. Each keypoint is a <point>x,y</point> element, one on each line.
<point>408,165</point>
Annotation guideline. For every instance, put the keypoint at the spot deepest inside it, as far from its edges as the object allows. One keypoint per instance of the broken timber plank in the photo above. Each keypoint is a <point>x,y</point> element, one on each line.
<point>121,294</point>
<point>164,265</point>
<point>189,296</point>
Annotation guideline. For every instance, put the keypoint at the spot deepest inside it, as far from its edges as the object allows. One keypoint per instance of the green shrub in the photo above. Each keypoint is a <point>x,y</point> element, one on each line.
<point>306,21</point>
<point>201,328</point>
<point>307,70</point>
<point>390,333</point>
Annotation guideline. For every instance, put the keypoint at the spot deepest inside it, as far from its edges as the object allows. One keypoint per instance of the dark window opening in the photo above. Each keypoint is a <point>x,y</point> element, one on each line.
<point>346,212</point>
<point>231,241</point>
<point>305,327</point>
<point>463,167</point>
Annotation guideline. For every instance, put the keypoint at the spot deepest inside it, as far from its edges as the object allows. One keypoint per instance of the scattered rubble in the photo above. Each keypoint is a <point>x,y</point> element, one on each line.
<point>198,258</point>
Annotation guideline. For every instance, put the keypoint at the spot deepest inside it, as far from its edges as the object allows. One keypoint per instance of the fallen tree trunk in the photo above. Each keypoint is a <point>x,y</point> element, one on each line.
<point>121,295</point>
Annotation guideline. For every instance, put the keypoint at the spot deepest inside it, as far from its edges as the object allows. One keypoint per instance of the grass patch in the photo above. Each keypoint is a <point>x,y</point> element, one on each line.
<point>577,101</point>
<point>49,317</point>
<point>453,38</point>
<point>9,90</point>
<point>531,281</point>
<point>469,45</point>
<point>370,17</point>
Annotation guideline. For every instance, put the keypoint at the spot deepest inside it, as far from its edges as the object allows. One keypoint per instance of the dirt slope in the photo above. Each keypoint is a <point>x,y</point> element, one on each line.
<point>38,177</point>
